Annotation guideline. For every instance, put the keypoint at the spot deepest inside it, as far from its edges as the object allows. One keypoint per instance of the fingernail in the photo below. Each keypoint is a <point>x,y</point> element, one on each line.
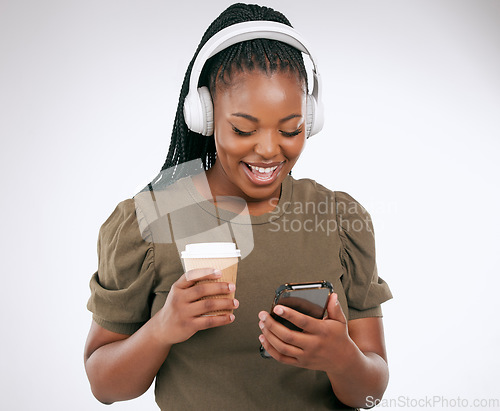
<point>218,273</point>
<point>231,317</point>
<point>232,287</point>
<point>262,316</point>
<point>261,325</point>
<point>278,310</point>
<point>261,338</point>
<point>236,303</point>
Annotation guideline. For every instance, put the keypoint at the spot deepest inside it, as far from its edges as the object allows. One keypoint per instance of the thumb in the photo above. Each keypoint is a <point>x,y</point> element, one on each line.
<point>334,309</point>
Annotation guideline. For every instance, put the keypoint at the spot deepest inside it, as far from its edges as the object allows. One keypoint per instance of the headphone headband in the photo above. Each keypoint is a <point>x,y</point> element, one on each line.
<point>240,32</point>
<point>249,30</point>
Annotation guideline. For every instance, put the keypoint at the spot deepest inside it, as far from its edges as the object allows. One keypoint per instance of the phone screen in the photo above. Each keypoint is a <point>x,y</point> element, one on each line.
<point>309,301</point>
<point>307,298</point>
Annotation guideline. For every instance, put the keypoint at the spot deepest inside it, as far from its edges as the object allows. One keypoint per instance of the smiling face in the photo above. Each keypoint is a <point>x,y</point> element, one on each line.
<point>259,131</point>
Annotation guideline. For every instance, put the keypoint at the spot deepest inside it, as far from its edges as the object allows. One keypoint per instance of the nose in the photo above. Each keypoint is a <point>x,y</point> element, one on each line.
<point>268,145</point>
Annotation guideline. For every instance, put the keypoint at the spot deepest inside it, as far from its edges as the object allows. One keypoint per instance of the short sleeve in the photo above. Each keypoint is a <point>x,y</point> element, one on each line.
<point>122,287</point>
<point>364,289</point>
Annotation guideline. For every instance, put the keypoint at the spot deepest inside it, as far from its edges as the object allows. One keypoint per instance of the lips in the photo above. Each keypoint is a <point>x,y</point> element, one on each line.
<point>262,173</point>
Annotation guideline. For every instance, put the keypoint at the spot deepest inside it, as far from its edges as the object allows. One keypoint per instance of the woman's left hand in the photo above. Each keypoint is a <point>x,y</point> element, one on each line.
<point>320,346</point>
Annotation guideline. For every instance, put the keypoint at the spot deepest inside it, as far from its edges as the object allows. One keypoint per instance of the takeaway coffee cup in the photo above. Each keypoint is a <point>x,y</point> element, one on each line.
<point>222,256</point>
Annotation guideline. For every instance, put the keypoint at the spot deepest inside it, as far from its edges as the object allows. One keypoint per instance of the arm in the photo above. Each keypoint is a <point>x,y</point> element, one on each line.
<point>354,359</point>
<point>366,374</point>
<point>121,367</point>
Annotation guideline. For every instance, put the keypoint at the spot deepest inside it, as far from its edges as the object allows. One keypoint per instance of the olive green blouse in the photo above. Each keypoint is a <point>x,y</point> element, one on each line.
<point>312,234</point>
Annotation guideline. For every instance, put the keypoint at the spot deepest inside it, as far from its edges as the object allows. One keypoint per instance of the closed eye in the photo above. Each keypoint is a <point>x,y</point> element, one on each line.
<point>291,134</point>
<point>242,133</point>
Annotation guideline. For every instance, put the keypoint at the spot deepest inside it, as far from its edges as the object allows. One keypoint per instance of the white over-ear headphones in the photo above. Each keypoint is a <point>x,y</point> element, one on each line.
<point>198,107</point>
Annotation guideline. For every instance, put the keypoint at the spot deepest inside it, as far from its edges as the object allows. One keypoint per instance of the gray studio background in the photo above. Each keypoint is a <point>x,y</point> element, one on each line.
<point>88,91</point>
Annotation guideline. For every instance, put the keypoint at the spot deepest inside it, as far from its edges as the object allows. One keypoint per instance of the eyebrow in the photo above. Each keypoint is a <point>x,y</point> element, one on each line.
<point>256,120</point>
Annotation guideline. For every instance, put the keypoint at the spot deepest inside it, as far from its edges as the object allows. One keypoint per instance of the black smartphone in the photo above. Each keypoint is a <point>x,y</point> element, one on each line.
<point>307,298</point>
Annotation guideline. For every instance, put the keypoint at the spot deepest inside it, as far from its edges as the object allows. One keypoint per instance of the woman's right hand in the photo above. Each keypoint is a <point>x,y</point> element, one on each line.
<point>122,366</point>
<point>182,315</point>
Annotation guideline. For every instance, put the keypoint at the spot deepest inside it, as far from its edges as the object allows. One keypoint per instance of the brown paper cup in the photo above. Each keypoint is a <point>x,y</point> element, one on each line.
<point>227,265</point>
<point>229,268</point>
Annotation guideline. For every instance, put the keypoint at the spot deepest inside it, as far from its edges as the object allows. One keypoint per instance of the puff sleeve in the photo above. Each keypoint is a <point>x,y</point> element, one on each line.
<point>364,289</point>
<point>122,287</point>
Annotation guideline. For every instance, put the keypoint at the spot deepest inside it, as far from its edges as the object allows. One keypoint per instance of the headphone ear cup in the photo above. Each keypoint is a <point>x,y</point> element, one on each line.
<point>207,109</point>
<point>310,114</point>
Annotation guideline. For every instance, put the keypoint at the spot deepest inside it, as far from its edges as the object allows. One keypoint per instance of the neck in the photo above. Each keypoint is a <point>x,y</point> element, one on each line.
<point>220,195</point>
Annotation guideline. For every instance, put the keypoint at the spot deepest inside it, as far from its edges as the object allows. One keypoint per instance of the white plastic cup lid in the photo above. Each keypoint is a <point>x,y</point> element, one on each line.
<point>211,250</point>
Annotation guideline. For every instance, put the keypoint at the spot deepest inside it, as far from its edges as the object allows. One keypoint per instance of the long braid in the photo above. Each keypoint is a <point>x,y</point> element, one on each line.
<point>269,55</point>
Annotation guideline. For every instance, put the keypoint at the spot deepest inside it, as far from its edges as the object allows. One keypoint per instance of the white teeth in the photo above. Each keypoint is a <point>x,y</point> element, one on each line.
<point>263,170</point>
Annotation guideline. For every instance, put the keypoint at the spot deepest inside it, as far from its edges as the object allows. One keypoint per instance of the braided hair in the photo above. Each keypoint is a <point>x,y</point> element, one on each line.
<point>267,55</point>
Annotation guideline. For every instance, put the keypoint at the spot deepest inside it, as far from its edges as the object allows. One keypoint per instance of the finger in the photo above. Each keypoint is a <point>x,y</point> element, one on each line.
<point>282,347</point>
<point>209,305</point>
<point>273,352</point>
<point>207,289</point>
<point>303,321</point>
<point>274,330</point>
<point>211,321</point>
<point>334,309</point>
<point>190,277</point>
